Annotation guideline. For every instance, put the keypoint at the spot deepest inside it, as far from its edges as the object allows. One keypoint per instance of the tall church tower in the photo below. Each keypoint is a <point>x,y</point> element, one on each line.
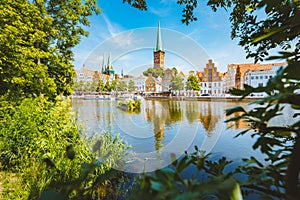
<point>159,54</point>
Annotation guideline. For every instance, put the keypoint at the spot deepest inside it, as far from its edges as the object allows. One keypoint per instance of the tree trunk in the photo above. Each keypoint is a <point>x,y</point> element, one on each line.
<point>293,171</point>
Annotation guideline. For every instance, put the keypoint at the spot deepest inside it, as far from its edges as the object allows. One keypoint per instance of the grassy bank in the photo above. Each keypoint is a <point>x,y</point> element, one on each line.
<point>44,153</point>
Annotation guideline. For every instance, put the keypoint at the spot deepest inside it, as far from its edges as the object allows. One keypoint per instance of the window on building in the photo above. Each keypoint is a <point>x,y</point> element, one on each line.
<point>204,84</point>
<point>261,77</point>
<point>266,77</point>
<point>270,76</point>
<point>252,77</point>
<point>256,77</point>
<point>260,85</point>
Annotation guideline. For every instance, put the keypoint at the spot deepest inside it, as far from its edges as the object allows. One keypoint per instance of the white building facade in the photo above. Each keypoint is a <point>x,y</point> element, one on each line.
<point>212,88</point>
<point>84,75</point>
<point>259,78</point>
<point>139,82</point>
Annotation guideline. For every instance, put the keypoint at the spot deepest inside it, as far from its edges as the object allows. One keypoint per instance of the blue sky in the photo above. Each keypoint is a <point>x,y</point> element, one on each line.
<point>130,36</point>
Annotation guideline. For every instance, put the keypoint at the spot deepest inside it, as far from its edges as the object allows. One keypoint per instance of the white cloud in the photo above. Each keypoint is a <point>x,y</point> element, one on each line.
<point>125,40</point>
<point>113,29</point>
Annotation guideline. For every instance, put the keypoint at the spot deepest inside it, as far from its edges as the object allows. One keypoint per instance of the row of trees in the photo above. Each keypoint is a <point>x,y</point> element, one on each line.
<point>192,83</point>
<point>100,86</point>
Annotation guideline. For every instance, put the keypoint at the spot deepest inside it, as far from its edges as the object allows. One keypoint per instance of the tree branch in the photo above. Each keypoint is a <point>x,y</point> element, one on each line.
<point>293,171</point>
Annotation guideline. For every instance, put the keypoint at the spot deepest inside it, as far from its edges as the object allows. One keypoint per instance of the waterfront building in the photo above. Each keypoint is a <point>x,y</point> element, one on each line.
<point>236,73</point>
<point>166,80</point>
<point>84,75</point>
<point>158,53</point>
<point>139,82</point>
<point>107,73</point>
<point>211,80</point>
<point>260,78</point>
<point>153,84</point>
<point>183,76</point>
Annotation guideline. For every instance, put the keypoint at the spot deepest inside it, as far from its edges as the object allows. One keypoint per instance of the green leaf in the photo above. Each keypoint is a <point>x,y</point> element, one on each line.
<point>267,35</point>
<point>236,193</point>
<point>156,185</point>
<point>183,164</point>
<point>108,175</point>
<point>241,133</point>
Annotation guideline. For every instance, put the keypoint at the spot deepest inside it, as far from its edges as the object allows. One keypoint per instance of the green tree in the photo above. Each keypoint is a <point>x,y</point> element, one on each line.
<point>149,70</point>
<point>107,87</point>
<point>36,44</point>
<point>177,83</point>
<point>131,86</point>
<point>79,86</point>
<point>67,24</point>
<point>192,83</point>
<point>21,74</point>
<point>113,85</point>
<point>174,69</point>
<point>158,72</point>
<point>94,86</point>
<point>100,86</point>
<point>258,35</point>
<point>88,86</point>
<point>187,11</point>
<point>122,86</point>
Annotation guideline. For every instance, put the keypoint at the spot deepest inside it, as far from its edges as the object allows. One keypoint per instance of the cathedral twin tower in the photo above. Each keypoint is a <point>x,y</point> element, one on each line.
<point>159,54</point>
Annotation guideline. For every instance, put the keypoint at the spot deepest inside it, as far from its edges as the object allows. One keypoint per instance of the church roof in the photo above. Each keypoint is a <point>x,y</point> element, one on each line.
<point>158,39</point>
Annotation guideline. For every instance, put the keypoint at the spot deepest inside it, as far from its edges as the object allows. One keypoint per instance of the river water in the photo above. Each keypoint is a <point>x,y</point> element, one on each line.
<point>167,127</point>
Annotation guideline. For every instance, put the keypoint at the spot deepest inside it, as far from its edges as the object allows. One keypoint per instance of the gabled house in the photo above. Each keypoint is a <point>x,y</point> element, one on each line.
<point>153,84</point>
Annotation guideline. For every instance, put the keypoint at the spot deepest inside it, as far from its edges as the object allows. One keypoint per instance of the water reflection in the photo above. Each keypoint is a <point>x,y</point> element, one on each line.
<point>159,115</point>
<point>161,128</point>
<point>237,124</point>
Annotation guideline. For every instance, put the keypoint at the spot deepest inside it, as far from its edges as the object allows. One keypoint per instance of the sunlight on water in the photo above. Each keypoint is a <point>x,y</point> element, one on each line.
<point>165,127</point>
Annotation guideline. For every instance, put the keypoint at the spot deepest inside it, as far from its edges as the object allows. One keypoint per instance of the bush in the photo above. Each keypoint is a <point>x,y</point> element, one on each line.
<point>41,146</point>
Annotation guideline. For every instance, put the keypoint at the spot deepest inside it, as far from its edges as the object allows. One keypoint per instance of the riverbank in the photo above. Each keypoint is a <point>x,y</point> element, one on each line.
<point>172,98</point>
<point>201,98</point>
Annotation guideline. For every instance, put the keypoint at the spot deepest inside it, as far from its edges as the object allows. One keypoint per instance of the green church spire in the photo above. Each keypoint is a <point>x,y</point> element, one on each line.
<point>158,40</point>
